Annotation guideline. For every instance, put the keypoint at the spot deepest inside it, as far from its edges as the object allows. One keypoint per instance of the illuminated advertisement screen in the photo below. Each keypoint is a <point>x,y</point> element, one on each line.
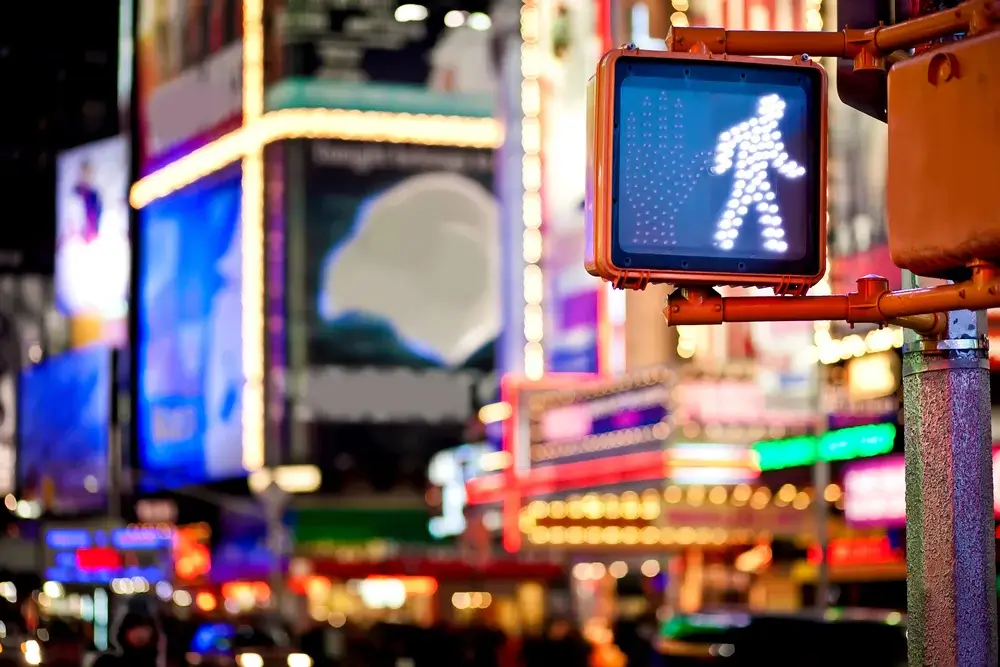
<point>402,260</point>
<point>63,426</point>
<point>99,555</point>
<point>587,427</point>
<point>190,76</point>
<point>875,491</point>
<point>92,249</point>
<point>189,336</point>
<point>716,167</point>
<point>572,300</point>
<point>388,56</point>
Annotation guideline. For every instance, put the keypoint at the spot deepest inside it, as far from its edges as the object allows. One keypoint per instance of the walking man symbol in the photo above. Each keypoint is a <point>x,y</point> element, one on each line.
<point>753,149</point>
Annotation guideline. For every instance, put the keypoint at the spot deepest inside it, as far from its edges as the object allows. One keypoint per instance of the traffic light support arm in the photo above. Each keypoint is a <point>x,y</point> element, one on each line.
<point>868,47</point>
<point>922,310</point>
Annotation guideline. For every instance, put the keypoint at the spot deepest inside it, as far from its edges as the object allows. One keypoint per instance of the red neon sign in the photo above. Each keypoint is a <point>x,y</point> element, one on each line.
<point>98,558</point>
<point>857,551</point>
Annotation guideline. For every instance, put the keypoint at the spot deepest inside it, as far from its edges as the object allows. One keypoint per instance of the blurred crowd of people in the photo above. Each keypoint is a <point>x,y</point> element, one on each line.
<point>479,645</point>
<point>141,639</point>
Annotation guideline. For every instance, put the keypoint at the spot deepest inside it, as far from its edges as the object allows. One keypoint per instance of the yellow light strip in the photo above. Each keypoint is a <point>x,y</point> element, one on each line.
<point>316,124</point>
<point>531,178</point>
<point>252,216</point>
<point>253,60</point>
<point>253,313</point>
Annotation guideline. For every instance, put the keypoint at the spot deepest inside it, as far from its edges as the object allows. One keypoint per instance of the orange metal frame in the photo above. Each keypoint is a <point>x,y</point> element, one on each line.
<point>921,310</point>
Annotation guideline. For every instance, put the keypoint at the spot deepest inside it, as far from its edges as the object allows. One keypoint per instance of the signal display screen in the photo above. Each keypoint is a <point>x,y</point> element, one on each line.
<point>717,166</point>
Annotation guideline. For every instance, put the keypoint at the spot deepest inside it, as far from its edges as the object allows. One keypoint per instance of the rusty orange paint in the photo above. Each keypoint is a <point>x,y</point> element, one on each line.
<point>919,309</point>
<point>876,41</point>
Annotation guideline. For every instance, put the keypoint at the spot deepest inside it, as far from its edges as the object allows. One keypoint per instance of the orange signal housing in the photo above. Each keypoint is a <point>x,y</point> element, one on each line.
<point>600,171</point>
<point>941,199</point>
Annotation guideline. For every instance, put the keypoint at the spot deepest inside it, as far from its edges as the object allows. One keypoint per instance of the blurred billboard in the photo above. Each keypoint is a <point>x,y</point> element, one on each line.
<point>63,428</point>
<point>189,76</point>
<point>574,299</point>
<point>384,56</point>
<point>92,250</point>
<point>188,337</point>
<point>401,260</point>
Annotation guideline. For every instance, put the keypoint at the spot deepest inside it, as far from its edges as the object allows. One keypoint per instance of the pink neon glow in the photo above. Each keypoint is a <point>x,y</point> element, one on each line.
<point>732,402</point>
<point>574,422</point>
<point>875,491</point>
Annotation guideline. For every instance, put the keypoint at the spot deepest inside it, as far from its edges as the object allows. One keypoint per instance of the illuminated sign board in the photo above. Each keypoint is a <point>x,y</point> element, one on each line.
<point>840,445</point>
<point>98,555</point>
<point>449,470</point>
<point>735,402</point>
<point>848,551</point>
<point>875,491</point>
<point>582,425</point>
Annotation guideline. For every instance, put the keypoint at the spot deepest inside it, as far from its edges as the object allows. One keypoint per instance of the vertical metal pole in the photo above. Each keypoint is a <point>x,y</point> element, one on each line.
<point>275,502</point>
<point>821,479</point>
<point>951,567</point>
<point>821,508</point>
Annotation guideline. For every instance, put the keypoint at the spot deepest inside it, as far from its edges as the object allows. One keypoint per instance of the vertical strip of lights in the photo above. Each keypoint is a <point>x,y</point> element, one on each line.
<point>277,331</point>
<point>679,16</point>
<point>821,328</point>
<point>253,242</point>
<point>531,178</point>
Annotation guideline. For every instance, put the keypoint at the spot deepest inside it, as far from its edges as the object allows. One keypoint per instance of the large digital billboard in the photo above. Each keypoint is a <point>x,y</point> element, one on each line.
<point>385,56</point>
<point>63,427</point>
<point>188,338</point>
<point>92,247</point>
<point>402,260</point>
<point>190,76</point>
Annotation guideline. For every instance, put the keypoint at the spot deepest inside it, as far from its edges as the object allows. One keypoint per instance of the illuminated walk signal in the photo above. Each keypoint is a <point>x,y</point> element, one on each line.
<point>706,170</point>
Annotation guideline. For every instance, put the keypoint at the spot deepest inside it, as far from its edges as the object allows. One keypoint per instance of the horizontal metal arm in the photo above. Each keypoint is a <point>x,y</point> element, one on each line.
<point>874,42</point>
<point>922,310</point>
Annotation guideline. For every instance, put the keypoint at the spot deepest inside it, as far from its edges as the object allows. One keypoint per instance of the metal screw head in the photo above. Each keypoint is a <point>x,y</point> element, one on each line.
<point>805,57</point>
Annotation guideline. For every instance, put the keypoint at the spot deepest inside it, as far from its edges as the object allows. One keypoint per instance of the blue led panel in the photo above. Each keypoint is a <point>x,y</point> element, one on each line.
<point>717,166</point>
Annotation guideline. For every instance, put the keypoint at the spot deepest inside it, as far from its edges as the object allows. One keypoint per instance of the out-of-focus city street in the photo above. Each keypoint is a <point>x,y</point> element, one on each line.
<point>301,364</point>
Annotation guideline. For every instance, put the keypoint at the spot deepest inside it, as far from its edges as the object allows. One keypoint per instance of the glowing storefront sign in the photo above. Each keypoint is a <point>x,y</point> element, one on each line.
<point>450,470</point>
<point>99,556</point>
<point>734,402</point>
<point>875,491</point>
<point>840,445</point>
<point>848,551</point>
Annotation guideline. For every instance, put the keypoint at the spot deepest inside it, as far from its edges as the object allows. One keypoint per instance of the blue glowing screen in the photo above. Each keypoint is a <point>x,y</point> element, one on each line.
<point>714,164</point>
<point>213,639</point>
<point>189,337</point>
<point>64,418</point>
<point>142,552</point>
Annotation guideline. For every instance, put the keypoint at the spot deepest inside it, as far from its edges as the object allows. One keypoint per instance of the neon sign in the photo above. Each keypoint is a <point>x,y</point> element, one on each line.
<point>97,556</point>
<point>450,470</point>
<point>575,427</point>
<point>849,551</point>
<point>875,491</point>
<point>840,445</point>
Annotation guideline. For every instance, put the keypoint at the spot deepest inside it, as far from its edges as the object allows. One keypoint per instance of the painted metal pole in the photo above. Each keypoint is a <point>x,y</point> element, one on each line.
<point>950,547</point>
<point>821,509</point>
<point>275,502</point>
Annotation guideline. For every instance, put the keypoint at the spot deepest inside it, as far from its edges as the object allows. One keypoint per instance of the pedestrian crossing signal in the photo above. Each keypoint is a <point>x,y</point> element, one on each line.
<point>707,170</point>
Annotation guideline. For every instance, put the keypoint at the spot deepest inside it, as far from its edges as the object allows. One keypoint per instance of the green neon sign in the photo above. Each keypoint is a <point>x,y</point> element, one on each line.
<point>841,445</point>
